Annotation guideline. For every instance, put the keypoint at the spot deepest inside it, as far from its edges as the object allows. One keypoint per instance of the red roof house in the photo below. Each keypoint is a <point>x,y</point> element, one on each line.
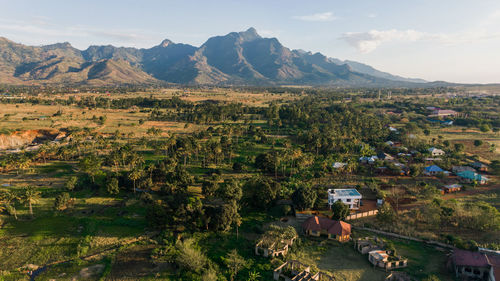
<point>338,230</point>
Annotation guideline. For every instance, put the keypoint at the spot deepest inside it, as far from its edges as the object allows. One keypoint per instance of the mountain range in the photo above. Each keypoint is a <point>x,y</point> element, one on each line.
<point>238,58</point>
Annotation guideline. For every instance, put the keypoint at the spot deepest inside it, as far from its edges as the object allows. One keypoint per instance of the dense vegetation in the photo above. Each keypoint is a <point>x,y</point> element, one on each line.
<point>188,190</point>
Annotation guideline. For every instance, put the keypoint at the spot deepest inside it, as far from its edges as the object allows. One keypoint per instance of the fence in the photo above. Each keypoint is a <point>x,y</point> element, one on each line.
<point>361,215</point>
<point>430,242</point>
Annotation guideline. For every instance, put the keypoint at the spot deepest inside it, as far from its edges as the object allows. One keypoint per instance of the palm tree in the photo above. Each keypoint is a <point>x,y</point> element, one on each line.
<point>253,276</point>
<point>135,174</point>
<point>7,198</point>
<point>30,196</point>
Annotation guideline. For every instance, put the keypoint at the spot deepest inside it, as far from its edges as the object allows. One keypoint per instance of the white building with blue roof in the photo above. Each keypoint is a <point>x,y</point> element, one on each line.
<point>350,197</point>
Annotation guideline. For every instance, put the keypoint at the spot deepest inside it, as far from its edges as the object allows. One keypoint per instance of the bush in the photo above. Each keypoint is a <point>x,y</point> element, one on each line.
<point>189,257</point>
<point>62,201</point>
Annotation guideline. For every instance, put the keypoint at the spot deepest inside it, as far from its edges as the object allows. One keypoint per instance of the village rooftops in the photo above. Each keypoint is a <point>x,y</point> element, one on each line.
<point>433,169</point>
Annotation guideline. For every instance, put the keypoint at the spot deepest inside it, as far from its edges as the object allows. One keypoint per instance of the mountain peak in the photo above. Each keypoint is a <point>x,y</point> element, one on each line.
<point>250,34</point>
<point>165,43</point>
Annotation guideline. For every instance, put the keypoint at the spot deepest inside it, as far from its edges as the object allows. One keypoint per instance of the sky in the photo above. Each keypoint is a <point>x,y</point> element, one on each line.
<point>447,40</point>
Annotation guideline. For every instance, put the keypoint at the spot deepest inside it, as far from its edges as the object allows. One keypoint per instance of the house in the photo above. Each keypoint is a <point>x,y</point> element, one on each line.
<point>436,151</point>
<point>381,258</point>
<point>350,197</point>
<point>368,159</point>
<point>338,230</point>
<point>469,265</point>
<point>470,177</point>
<point>432,170</point>
<point>294,270</point>
<point>385,156</point>
<point>443,112</point>
<point>339,165</point>
<point>480,166</point>
<point>450,188</point>
<point>459,169</point>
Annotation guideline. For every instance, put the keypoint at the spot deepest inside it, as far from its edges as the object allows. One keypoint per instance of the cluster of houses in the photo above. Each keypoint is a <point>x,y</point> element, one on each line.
<point>466,174</point>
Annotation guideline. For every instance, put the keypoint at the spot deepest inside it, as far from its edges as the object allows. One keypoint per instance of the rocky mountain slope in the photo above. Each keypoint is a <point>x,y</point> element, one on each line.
<point>238,58</point>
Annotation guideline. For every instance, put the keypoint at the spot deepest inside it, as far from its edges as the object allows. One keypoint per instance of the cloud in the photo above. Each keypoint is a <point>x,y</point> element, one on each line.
<point>40,29</point>
<point>485,30</point>
<point>367,42</point>
<point>321,17</point>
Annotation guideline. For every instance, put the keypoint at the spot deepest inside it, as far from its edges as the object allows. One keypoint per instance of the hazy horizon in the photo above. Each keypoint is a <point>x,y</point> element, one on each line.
<point>454,41</point>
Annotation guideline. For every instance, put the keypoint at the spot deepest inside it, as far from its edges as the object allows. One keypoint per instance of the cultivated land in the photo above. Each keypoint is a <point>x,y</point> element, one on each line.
<point>169,181</point>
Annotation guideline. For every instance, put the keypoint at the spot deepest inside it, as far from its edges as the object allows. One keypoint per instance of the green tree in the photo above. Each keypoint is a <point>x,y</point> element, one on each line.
<point>478,143</point>
<point>459,147</point>
<point>261,191</point>
<point>71,183</point>
<point>234,263</point>
<point>340,211</point>
<point>190,257</point>
<point>485,128</point>
<point>135,174</point>
<point>62,201</point>
<point>112,186</point>
<point>30,196</point>
<point>386,213</point>
<point>304,197</point>
<point>8,199</point>
<point>209,187</point>
<point>91,165</point>
<point>230,190</point>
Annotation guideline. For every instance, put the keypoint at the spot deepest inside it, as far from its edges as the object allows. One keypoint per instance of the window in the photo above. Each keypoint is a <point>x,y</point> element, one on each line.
<point>477,272</point>
<point>467,269</point>
<point>348,200</point>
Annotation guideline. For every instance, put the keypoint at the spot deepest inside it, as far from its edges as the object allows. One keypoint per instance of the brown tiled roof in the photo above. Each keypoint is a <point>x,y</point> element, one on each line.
<point>468,258</point>
<point>494,261</point>
<point>340,228</point>
<point>316,223</point>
